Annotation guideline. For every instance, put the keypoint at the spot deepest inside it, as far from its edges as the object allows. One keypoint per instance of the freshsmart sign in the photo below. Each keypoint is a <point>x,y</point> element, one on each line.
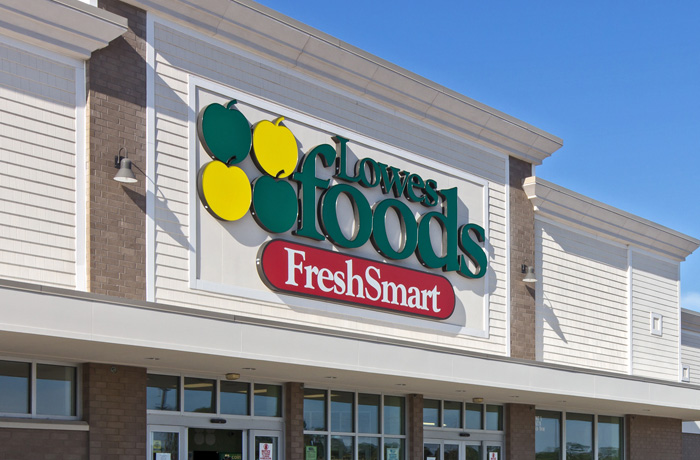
<point>286,198</point>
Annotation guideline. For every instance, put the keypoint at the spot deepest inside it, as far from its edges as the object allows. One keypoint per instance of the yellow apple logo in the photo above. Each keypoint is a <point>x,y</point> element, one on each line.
<point>226,192</point>
<point>274,148</point>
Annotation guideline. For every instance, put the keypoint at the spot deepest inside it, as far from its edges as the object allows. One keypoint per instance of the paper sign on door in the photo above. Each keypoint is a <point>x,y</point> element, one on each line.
<point>265,451</point>
<point>493,455</point>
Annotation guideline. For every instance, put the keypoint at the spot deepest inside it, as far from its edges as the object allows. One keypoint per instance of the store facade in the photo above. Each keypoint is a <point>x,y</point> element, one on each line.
<point>323,256</point>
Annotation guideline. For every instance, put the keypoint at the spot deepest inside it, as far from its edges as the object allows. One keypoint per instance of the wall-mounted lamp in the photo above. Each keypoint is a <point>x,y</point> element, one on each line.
<point>125,174</point>
<point>529,274</point>
<point>233,376</point>
<point>477,400</point>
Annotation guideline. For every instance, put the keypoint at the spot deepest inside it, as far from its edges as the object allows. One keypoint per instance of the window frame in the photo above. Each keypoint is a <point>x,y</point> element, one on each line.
<point>381,436</point>
<point>32,414</point>
<point>463,418</point>
<point>217,389</point>
<point>596,443</point>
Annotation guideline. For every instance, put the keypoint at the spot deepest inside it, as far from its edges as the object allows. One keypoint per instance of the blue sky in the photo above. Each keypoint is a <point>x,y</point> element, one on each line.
<point>619,82</point>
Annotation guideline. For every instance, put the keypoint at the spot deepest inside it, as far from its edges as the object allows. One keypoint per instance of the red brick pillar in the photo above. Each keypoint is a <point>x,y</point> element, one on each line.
<point>522,251</point>
<point>653,438</point>
<point>294,421</point>
<point>520,432</point>
<point>114,405</point>
<point>415,427</point>
<point>116,81</point>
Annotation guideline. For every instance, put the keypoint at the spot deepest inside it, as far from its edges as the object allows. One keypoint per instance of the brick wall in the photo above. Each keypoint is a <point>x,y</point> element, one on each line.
<point>653,438</point>
<point>22,444</point>
<point>414,415</point>
<point>116,77</point>
<point>522,251</point>
<point>114,405</point>
<point>294,421</point>
<point>520,432</point>
<point>691,446</point>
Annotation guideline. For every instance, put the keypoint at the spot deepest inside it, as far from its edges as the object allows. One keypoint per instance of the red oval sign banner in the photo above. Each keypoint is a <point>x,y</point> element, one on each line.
<point>311,272</point>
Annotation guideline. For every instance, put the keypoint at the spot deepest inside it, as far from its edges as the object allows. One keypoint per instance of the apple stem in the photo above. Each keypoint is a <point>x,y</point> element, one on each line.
<point>231,104</point>
<point>278,121</point>
<point>279,173</point>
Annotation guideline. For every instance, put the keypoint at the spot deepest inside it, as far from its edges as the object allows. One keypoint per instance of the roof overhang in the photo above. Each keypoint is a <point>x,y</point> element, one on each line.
<point>69,27</point>
<point>47,323</point>
<point>278,38</point>
<point>578,211</point>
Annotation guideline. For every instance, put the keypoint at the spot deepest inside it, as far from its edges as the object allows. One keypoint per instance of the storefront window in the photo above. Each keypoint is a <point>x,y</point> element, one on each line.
<point>547,435</point>
<point>235,399</point>
<point>610,436</point>
<point>53,388</point>
<point>394,415</point>
<point>200,395</point>
<point>342,411</point>
<point>14,381</point>
<point>268,400</point>
<point>314,410</point>
<point>367,448</point>
<point>494,417</point>
<point>473,414</point>
<point>394,449</point>
<point>349,413</point>
<point>315,446</point>
<point>368,413</point>
<point>431,412</point>
<point>579,437</point>
<point>342,447</point>
<point>452,415</point>
<point>163,392</point>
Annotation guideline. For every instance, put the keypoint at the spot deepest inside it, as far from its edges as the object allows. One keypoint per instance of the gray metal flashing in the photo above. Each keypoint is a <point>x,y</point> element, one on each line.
<point>69,27</point>
<point>579,211</point>
<point>275,37</point>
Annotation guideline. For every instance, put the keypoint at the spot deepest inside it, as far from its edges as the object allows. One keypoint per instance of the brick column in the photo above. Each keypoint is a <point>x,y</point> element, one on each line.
<point>522,251</point>
<point>414,414</point>
<point>114,405</point>
<point>116,81</point>
<point>520,432</point>
<point>653,438</point>
<point>691,446</point>
<point>294,421</point>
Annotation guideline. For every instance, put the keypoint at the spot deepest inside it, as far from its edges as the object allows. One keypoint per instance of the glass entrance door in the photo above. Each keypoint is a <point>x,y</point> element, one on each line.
<point>265,445</point>
<point>166,443</point>
<point>462,450</point>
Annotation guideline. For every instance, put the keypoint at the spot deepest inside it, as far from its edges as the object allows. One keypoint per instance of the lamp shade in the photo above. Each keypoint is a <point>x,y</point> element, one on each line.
<point>125,174</point>
<point>530,275</point>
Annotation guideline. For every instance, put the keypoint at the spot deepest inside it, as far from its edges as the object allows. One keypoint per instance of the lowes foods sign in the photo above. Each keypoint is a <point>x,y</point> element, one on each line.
<point>306,197</point>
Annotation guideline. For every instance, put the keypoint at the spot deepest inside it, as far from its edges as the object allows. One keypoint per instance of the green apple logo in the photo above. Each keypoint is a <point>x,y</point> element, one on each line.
<point>224,133</point>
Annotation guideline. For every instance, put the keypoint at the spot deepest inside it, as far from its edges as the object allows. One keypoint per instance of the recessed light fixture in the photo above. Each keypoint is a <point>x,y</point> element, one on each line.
<point>248,369</point>
<point>515,396</point>
<point>152,358</point>
<point>461,391</point>
<point>332,377</point>
<point>400,384</point>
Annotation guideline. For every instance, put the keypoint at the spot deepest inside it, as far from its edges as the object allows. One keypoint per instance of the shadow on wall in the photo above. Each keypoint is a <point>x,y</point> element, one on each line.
<point>550,317</point>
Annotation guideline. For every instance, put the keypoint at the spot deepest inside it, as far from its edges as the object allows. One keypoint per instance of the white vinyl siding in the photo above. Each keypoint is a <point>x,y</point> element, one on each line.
<point>654,290</point>
<point>37,169</point>
<point>581,315</point>
<point>177,56</point>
